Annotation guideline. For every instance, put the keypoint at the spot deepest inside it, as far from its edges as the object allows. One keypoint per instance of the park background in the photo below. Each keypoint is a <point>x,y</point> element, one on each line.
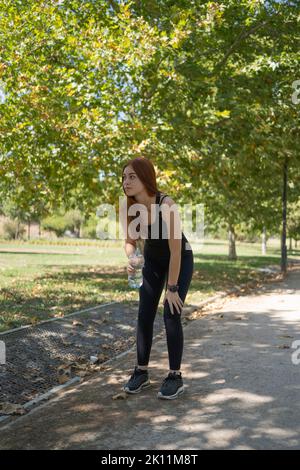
<point>206,90</point>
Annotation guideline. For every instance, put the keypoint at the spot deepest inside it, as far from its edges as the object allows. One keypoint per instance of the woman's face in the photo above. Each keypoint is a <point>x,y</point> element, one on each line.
<point>131,183</point>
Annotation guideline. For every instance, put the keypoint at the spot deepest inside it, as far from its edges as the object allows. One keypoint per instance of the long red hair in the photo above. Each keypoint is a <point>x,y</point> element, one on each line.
<point>145,171</point>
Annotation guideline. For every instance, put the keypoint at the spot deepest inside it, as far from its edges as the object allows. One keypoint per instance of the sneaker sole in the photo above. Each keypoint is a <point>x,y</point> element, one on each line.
<point>171,397</point>
<point>138,390</point>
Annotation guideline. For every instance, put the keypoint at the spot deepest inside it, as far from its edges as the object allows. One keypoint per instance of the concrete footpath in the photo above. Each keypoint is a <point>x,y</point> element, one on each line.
<point>242,388</point>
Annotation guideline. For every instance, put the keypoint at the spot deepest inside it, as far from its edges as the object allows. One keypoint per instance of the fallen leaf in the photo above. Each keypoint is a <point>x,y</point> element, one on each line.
<point>63,374</point>
<point>102,357</point>
<point>59,314</point>
<point>98,322</point>
<point>77,366</point>
<point>39,379</point>
<point>120,396</point>
<point>81,373</point>
<point>77,323</point>
<point>7,408</point>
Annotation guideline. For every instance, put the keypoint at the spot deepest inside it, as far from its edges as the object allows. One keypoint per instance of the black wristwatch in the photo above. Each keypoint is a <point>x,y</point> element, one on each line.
<point>172,288</point>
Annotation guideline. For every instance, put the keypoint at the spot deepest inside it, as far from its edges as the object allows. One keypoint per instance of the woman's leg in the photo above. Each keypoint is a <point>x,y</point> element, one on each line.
<point>173,322</point>
<point>150,291</point>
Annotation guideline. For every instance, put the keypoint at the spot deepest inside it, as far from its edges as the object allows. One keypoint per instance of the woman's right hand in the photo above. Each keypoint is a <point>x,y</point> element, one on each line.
<point>130,269</point>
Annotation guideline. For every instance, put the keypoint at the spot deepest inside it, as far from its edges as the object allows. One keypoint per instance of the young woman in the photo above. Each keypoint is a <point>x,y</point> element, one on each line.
<point>168,259</point>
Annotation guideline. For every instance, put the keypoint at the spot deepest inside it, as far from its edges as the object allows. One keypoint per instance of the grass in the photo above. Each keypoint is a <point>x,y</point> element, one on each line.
<point>41,281</point>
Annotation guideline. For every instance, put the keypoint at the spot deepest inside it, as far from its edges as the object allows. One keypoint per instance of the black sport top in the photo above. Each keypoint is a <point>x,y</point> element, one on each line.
<point>160,246</point>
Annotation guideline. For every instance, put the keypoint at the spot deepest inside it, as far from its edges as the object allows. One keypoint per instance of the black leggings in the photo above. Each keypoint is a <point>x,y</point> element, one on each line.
<point>155,272</point>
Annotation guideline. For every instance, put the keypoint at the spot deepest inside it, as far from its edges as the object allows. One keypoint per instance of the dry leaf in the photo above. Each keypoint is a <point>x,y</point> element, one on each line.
<point>77,323</point>
<point>77,366</point>
<point>63,374</point>
<point>120,396</point>
<point>81,373</point>
<point>102,357</point>
<point>39,379</point>
<point>98,322</point>
<point>7,408</point>
<point>59,314</point>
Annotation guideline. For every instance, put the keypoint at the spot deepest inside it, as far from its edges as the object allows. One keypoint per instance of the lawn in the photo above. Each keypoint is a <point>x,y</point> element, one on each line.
<point>40,281</point>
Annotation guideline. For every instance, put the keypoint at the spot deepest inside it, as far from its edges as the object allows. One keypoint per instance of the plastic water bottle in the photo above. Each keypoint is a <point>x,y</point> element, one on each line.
<point>136,260</point>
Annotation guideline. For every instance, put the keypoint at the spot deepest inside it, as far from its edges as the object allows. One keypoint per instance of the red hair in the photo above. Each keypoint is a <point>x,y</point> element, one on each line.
<point>146,173</point>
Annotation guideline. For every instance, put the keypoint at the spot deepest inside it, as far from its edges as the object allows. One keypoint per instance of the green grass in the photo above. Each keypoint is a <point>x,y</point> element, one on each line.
<point>40,281</point>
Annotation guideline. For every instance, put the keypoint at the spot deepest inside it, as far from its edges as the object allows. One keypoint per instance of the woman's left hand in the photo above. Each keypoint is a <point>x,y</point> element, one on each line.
<point>173,299</point>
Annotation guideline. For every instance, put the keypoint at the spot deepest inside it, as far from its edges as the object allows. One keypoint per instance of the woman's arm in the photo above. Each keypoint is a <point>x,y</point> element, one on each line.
<point>173,223</point>
<point>130,244</point>
<point>172,219</point>
<point>175,261</point>
<point>129,248</point>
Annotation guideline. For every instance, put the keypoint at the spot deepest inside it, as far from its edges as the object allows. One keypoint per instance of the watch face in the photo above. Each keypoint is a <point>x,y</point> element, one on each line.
<point>173,288</point>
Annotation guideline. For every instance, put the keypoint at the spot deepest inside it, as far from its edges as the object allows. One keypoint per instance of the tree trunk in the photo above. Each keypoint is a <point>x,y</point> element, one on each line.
<point>296,243</point>
<point>264,242</point>
<point>28,230</point>
<point>17,230</point>
<point>284,205</point>
<point>39,229</point>
<point>231,238</point>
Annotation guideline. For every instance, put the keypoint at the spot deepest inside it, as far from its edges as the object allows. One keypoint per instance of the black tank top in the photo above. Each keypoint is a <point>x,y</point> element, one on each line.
<point>160,246</point>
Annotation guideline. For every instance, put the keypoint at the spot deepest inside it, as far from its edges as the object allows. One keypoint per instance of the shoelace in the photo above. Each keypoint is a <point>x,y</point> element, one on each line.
<point>171,377</point>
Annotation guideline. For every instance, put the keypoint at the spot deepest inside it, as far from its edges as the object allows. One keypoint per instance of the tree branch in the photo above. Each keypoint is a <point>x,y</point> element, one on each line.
<point>243,35</point>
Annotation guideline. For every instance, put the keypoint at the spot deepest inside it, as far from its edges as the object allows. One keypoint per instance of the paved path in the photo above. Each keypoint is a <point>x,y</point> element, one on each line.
<point>242,388</point>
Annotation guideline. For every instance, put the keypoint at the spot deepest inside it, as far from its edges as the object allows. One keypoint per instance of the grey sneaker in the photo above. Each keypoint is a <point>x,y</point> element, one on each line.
<point>138,380</point>
<point>171,387</point>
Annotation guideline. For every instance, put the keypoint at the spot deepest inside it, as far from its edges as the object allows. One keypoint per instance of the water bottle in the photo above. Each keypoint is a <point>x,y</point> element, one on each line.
<point>136,260</point>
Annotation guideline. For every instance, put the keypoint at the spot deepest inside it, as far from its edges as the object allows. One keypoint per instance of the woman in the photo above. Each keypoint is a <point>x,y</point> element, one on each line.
<point>167,259</point>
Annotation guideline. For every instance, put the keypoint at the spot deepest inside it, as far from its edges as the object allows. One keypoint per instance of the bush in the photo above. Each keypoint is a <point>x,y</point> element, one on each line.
<point>13,230</point>
<point>56,223</point>
<point>64,224</point>
<point>74,219</point>
<point>89,228</point>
